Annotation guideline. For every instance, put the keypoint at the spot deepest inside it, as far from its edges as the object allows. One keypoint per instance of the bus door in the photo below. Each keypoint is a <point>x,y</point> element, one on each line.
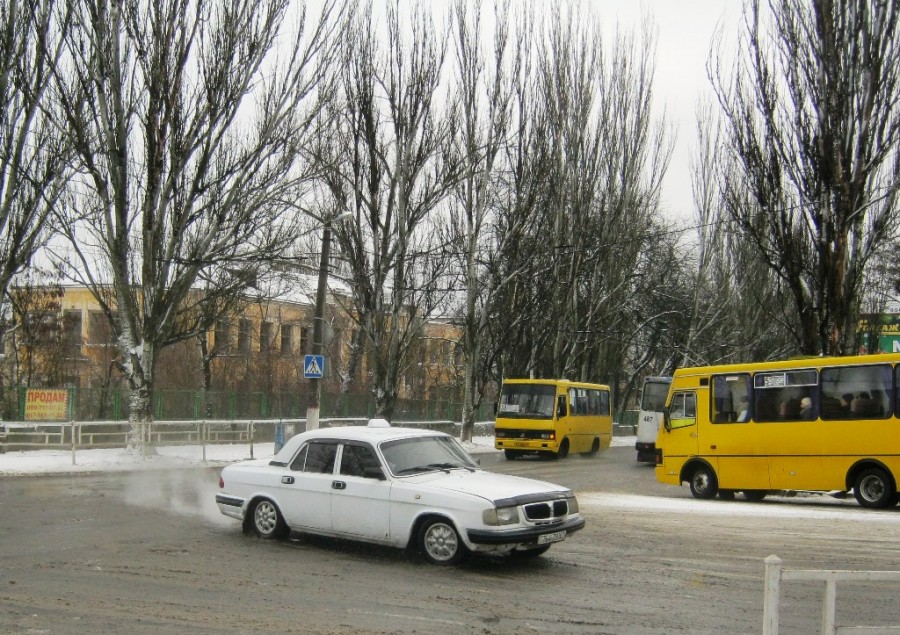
<point>731,437</point>
<point>581,420</point>
<point>678,440</point>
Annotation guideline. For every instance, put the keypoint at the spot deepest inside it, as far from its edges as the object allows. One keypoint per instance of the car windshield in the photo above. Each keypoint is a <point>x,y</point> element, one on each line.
<point>425,454</point>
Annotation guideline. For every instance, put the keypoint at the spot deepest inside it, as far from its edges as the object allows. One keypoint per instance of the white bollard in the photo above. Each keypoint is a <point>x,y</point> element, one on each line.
<point>772,595</point>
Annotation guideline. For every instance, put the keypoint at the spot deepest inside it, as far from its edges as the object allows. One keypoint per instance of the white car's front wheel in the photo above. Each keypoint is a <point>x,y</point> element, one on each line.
<point>440,542</point>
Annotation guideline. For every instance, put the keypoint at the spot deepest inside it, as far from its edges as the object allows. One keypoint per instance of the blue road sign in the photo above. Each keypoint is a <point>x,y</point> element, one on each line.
<point>313,366</point>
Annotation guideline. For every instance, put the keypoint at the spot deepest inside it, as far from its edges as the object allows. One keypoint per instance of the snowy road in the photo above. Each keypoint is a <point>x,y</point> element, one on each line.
<point>147,552</point>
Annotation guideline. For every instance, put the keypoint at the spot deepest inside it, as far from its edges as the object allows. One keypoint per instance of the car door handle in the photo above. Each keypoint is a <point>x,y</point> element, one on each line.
<point>287,480</point>
<point>338,485</point>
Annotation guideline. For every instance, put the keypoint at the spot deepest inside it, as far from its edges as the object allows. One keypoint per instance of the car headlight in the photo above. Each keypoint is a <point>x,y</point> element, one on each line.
<point>500,516</point>
<point>572,502</point>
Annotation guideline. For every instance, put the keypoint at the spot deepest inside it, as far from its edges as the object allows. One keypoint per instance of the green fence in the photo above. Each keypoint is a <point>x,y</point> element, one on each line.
<point>88,404</point>
<point>627,418</point>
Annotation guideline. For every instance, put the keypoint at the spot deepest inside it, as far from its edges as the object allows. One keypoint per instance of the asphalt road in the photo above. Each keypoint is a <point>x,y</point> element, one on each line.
<point>149,553</point>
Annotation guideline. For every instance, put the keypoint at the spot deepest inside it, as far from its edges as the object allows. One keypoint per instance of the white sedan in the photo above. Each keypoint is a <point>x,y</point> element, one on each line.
<point>400,487</point>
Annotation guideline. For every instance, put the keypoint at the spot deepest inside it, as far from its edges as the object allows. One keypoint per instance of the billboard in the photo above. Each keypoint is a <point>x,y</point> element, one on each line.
<point>46,404</point>
<point>879,333</point>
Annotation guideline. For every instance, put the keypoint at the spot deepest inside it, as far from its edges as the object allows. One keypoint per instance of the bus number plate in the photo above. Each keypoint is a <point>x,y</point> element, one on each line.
<point>556,536</point>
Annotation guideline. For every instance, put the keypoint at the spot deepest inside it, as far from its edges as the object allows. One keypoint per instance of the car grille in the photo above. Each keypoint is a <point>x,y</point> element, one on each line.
<point>547,511</point>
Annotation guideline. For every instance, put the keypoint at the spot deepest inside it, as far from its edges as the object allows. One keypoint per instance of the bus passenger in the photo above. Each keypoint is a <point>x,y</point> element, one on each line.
<point>846,400</point>
<point>806,409</point>
<point>789,409</point>
<point>744,414</point>
<point>862,405</point>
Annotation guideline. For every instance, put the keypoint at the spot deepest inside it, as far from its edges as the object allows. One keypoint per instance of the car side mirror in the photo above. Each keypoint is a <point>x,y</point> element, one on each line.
<point>666,424</point>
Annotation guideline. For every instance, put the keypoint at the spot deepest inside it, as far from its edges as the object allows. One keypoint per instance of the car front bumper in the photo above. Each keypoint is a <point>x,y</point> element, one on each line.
<point>528,535</point>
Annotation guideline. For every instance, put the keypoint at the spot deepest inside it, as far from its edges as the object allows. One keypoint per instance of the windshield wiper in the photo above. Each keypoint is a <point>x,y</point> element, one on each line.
<point>444,467</point>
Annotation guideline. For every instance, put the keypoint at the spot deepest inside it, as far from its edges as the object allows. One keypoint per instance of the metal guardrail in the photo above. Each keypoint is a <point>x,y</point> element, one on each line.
<point>77,435</point>
<point>775,574</point>
<point>89,435</point>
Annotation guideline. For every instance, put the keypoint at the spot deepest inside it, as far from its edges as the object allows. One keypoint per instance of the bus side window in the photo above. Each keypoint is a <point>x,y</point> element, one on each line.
<point>897,391</point>
<point>561,407</point>
<point>604,403</point>
<point>857,392</point>
<point>731,402</point>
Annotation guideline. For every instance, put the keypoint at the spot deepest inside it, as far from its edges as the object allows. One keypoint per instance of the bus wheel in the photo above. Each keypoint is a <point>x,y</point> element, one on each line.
<point>511,455</point>
<point>726,494</point>
<point>755,495</point>
<point>874,488</point>
<point>703,482</point>
<point>563,451</point>
<point>594,449</point>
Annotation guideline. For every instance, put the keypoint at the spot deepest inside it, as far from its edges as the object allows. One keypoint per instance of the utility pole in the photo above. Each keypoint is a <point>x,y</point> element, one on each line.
<point>318,345</point>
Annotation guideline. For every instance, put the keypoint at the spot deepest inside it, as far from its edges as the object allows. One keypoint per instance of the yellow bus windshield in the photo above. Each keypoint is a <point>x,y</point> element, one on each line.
<point>527,401</point>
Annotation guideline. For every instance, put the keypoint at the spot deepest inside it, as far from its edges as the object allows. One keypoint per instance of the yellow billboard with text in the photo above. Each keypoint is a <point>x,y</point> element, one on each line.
<point>45,404</point>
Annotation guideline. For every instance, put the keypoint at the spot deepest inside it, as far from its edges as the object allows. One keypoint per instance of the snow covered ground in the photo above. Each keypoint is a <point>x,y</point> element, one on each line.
<point>60,461</point>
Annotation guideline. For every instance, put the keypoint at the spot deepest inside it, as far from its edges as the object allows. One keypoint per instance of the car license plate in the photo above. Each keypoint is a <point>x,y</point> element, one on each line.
<point>556,536</point>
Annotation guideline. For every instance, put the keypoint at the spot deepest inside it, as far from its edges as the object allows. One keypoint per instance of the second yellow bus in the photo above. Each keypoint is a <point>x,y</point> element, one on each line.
<point>552,417</point>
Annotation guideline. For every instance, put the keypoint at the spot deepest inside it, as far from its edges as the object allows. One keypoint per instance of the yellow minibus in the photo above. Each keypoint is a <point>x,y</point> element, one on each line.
<point>825,424</point>
<point>552,417</point>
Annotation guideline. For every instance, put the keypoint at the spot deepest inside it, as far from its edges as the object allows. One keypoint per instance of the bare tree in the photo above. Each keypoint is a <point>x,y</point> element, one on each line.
<point>34,155</point>
<point>188,118</point>
<point>813,121</point>
<point>386,161</point>
<point>601,156</point>
<point>727,306</point>
<point>484,94</point>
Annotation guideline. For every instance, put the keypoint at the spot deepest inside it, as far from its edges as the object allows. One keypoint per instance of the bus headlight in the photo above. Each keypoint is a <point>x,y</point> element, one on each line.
<point>500,516</point>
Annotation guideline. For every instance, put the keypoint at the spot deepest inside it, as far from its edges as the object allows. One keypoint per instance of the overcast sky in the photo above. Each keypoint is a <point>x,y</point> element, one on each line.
<point>685,31</point>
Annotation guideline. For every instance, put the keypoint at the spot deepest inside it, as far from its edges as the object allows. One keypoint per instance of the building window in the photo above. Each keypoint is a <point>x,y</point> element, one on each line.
<point>72,333</point>
<point>287,344</point>
<point>266,336</point>
<point>100,331</point>
<point>222,341</point>
<point>305,340</point>
<point>244,335</point>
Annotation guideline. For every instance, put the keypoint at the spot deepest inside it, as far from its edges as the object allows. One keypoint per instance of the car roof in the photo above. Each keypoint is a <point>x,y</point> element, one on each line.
<point>373,435</point>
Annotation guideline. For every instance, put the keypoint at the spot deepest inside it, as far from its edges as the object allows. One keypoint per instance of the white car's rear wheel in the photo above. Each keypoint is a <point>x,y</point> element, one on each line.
<point>440,542</point>
<point>267,520</point>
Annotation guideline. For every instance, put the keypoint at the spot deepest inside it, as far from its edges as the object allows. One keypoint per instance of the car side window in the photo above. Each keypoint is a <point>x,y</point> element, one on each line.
<point>299,460</point>
<point>356,459</point>
<point>320,457</point>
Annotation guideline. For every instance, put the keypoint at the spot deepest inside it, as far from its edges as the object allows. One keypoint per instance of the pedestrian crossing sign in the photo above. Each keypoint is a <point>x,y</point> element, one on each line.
<point>313,366</point>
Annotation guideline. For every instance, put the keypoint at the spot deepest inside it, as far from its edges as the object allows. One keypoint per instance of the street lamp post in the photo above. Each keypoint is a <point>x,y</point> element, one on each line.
<point>315,384</point>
